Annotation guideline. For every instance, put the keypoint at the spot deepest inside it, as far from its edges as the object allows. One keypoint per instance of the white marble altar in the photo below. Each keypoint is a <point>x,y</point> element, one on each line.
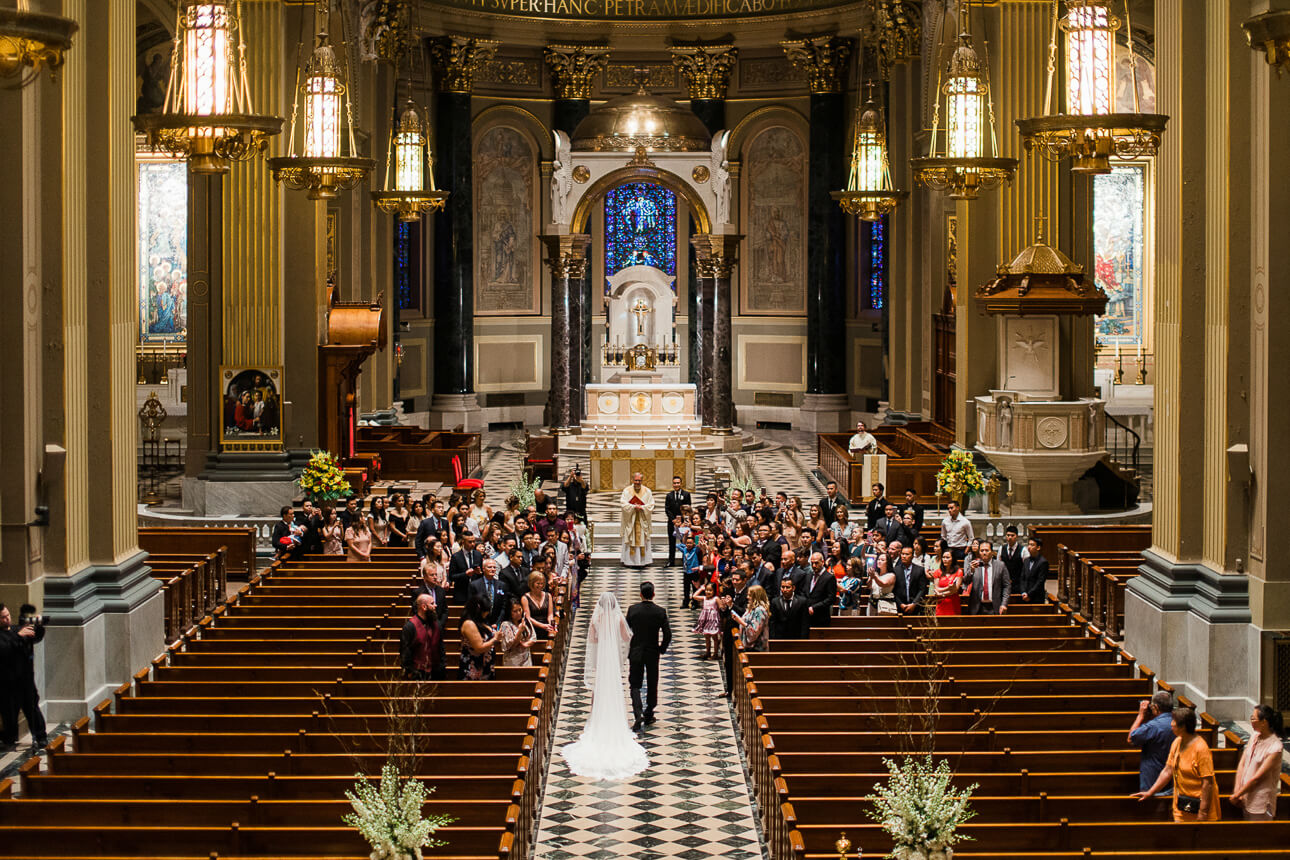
<point>639,408</point>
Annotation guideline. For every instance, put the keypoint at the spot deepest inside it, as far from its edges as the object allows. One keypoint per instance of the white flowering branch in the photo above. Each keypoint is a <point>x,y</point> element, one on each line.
<point>920,809</point>
<point>389,817</point>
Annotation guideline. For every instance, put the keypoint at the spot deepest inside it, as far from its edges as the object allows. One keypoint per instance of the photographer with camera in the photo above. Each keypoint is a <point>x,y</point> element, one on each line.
<point>575,493</point>
<point>18,676</point>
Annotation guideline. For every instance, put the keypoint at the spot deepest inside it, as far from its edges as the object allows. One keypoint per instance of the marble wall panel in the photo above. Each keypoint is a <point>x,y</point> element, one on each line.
<point>773,270</point>
<point>507,275</point>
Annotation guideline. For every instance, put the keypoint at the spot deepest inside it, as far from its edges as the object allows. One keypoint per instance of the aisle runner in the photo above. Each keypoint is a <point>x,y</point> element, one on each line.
<point>693,801</point>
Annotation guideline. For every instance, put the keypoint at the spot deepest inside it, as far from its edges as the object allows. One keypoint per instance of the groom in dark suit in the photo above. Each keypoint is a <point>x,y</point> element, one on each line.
<point>647,620</point>
<point>672,507</point>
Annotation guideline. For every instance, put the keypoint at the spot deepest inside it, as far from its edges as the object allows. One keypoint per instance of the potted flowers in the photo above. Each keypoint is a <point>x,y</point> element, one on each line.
<point>390,817</point>
<point>959,478</point>
<point>920,809</point>
<point>322,481</point>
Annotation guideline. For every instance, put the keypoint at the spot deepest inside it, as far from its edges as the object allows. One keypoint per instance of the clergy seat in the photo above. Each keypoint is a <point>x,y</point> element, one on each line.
<point>461,483</point>
<point>541,458</point>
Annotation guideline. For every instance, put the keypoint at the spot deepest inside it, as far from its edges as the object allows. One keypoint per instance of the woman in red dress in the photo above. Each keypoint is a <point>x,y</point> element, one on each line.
<point>948,583</point>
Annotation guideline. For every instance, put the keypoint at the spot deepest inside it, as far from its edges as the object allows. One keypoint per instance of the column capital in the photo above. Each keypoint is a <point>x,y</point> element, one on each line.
<point>456,59</point>
<point>706,68</point>
<point>715,253</point>
<point>573,67</point>
<point>823,58</point>
<point>567,254</point>
<point>895,29</point>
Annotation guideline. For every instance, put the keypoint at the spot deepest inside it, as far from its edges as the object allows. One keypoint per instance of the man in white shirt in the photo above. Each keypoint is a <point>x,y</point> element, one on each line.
<point>956,531</point>
<point>862,442</point>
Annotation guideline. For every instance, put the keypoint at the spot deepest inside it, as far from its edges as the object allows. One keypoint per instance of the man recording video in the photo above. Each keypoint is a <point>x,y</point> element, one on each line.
<point>18,676</point>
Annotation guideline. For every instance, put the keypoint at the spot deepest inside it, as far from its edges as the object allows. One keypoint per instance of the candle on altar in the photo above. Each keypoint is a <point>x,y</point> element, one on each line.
<point>1117,352</point>
<point>1139,351</point>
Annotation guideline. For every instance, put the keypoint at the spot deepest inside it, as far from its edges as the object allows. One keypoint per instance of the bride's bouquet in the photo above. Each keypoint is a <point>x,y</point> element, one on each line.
<point>920,809</point>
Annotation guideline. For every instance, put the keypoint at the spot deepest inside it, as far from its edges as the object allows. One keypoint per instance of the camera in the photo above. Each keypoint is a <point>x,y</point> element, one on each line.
<point>31,620</point>
<point>577,470</point>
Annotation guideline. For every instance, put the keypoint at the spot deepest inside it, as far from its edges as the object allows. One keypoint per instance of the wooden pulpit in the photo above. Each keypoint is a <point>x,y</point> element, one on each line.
<point>355,330</point>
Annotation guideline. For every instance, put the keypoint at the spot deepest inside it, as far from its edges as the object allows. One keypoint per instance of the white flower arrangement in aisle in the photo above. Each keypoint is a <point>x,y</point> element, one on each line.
<point>525,492</point>
<point>920,809</point>
<point>390,817</point>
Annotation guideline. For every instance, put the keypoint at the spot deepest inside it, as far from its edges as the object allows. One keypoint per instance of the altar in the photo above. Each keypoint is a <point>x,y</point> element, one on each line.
<point>612,468</point>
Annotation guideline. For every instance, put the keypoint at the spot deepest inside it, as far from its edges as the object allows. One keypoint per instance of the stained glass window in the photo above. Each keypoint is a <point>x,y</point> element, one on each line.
<point>878,263</point>
<point>406,259</point>
<point>640,228</point>
<point>1119,252</point>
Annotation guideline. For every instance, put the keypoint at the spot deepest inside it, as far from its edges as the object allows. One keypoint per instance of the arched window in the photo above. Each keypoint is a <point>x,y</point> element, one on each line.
<point>640,228</point>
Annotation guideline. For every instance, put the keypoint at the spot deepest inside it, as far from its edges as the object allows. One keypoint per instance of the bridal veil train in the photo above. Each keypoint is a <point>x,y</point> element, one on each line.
<point>606,749</point>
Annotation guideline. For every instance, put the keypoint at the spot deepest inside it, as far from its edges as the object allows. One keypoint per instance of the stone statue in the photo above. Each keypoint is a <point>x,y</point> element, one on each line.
<point>720,176</point>
<point>1005,423</point>
<point>561,179</point>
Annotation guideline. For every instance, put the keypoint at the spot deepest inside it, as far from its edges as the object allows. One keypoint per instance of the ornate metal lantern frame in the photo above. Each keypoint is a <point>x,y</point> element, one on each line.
<point>30,41</point>
<point>869,193</point>
<point>409,169</point>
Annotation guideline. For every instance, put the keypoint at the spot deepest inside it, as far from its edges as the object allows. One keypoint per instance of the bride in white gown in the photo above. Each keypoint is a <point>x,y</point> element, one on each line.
<point>607,749</point>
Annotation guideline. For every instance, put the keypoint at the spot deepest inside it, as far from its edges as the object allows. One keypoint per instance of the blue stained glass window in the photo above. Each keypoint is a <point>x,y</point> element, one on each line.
<point>640,228</point>
<point>403,264</point>
<point>878,263</point>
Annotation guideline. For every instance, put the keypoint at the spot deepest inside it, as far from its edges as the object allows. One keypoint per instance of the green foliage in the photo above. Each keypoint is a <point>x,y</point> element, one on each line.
<point>920,809</point>
<point>389,817</point>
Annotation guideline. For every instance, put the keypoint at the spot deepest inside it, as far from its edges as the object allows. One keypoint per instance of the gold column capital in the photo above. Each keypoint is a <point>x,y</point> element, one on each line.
<point>823,58</point>
<point>567,254</point>
<point>574,67</point>
<point>895,30</point>
<point>715,253</point>
<point>706,68</point>
<point>456,59</point>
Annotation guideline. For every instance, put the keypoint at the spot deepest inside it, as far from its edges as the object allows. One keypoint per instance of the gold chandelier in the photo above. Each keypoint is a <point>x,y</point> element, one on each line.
<point>409,170</point>
<point>957,161</point>
<point>1091,132</point>
<point>1270,33</point>
<point>207,116</point>
<point>30,40</point>
<point>322,167</point>
<point>869,193</point>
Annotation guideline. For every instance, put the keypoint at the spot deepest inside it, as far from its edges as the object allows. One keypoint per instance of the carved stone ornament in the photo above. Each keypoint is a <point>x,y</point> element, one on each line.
<point>706,68</point>
<point>456,59</point>
<point>823,59</point>
<point>574,68</point>
<point>1051,432</point>
<point>581,174</point>
<point>700,174</point>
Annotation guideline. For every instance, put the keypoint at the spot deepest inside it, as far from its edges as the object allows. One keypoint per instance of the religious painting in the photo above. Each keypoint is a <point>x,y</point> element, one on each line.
<point>774,279</point>
<point>152,68</point>
<point>1129,70</point>
<point>506,269</point>
<point>162,249</point>
<point>1119,252</point>
<point>640,228</point>
<point>251,404</point>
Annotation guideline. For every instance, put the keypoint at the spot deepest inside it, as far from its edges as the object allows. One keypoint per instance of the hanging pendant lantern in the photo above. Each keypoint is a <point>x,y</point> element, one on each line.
<point>1091,132</point>
<point>207,116</point>
<point>409,170</point>
<point>30,41</point>
<point>869,193</point>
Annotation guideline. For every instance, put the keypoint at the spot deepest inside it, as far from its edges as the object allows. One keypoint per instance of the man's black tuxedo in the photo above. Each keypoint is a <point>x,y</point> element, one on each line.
<point>672,505</point>
<point>919,512</point>
<point>911,585</point>
<point>648,622</point>
<point>461,567</point>
<point>1012,560</point>
<point>820,596</point>
<point>829,508</point>
<point>788,618</point>
<point>311,540</point>
<point>514,582</point>
<point>430,526</point>
<point>1034,578</point>
<point>437,592</point>
<point>874,512</point>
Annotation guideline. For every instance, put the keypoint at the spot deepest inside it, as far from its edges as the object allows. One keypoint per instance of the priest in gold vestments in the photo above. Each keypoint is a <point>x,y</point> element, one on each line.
<point>637,510</point>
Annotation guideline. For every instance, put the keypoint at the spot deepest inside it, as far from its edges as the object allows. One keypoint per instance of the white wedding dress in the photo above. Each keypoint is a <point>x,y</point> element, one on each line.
<point>606,749</point>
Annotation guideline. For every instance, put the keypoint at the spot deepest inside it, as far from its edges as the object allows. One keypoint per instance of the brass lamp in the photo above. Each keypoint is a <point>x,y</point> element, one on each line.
<point>207,116</point>
<point>963,157</point>
<point>322,167</point>
<point>30,40</point>
<point>1091,132</point>
<point>869,193</point>
<point>1270,33</point>
<point>409,170</point>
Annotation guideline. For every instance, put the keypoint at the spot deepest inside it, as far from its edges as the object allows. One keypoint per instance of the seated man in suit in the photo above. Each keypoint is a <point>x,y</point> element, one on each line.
<point>911,583</point>
<point>990,584</point>
<point>1034,572</point>
<point>821,591</point>
<point>788,613</point>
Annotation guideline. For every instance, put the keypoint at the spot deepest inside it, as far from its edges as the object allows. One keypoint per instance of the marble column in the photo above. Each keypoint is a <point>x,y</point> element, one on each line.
<point>714,262</point>
<point>567,257</point>
<point>573,73</point>
<point>455,60</point>
<point>205,318</point>
<point>824,60</point>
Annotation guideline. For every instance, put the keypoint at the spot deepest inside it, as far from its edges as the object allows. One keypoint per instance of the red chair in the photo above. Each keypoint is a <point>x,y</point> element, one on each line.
<point>463,483</point>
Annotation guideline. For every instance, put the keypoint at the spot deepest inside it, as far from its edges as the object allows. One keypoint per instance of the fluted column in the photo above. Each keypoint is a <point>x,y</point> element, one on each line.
<point>714,257</point>
<point>824,60</point>
<point>567,257</point>
<point>455,60</point>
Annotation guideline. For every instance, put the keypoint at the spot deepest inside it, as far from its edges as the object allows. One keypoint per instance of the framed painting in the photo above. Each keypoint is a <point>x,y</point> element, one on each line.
<point>773,268</point>
<point>251,406</point>
<point>1121,265</point>
<point>161,233</point>
<point>507,274</point>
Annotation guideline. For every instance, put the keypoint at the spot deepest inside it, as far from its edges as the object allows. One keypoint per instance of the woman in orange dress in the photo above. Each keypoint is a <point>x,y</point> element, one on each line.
<point>1191,767</point>
<point>948,583</point>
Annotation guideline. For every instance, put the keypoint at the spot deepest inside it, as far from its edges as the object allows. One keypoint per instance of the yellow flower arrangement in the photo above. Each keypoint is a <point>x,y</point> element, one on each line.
<point>322,480</point>
<point>959,476</point>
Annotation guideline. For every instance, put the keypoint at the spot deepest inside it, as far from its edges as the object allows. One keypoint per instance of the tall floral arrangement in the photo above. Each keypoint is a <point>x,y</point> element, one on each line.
<point>322,480</point>
<point>743,485</point>
<point>920,809</point>
<point>389,817</point>
<point>959,476</point>
<point>525,491</point>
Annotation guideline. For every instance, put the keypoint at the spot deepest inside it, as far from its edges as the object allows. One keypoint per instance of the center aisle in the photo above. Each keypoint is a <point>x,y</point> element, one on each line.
<point>693,800</point>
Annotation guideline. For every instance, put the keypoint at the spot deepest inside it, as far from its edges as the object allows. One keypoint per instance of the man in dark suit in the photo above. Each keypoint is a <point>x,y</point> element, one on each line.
<point>514,580</point>
<point>286,534</point>
<point>311,539</point>
<point>991,586</point>
<point>790,570</point>
<point>648,621</point>
<point>672,508</point>
<point>465,564</point>
<point>820,590</point>
<point>487,588</point>
<point>1013,556</point>
<point>911,504</point>
<point>892,528</point>
<point>1034,572</point>
<point>734,599</point>
<point>763,573</point>
<point>874,510</point>
<point>911,583</point>
<point>349,513</point>
<point>788,613</point>
<point>430,526</point>
<point>830,503</point>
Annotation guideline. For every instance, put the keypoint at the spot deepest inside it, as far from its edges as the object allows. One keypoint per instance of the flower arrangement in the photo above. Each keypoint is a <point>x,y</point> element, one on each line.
<point>959,477</point>
<point>526,492</point>
<point>743,485</point>
<point>389,817</point>
<point>322,480</point>
<point>920,810</point>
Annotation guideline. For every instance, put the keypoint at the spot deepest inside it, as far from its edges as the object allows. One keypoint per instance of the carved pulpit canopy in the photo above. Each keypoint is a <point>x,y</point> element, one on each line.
<point>356,324</point>
<point>1041,280</point>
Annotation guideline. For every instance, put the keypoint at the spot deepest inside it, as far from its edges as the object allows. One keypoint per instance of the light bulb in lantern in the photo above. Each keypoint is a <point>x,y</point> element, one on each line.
<point>409,152</point>
<point>964,91</point>
<point>322,92</point>
<point>207,58</point>
<point>1090,56</point>
<point>869,154</point>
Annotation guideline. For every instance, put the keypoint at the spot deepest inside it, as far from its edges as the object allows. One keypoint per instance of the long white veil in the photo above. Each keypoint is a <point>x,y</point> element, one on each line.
<point>606,749</point>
